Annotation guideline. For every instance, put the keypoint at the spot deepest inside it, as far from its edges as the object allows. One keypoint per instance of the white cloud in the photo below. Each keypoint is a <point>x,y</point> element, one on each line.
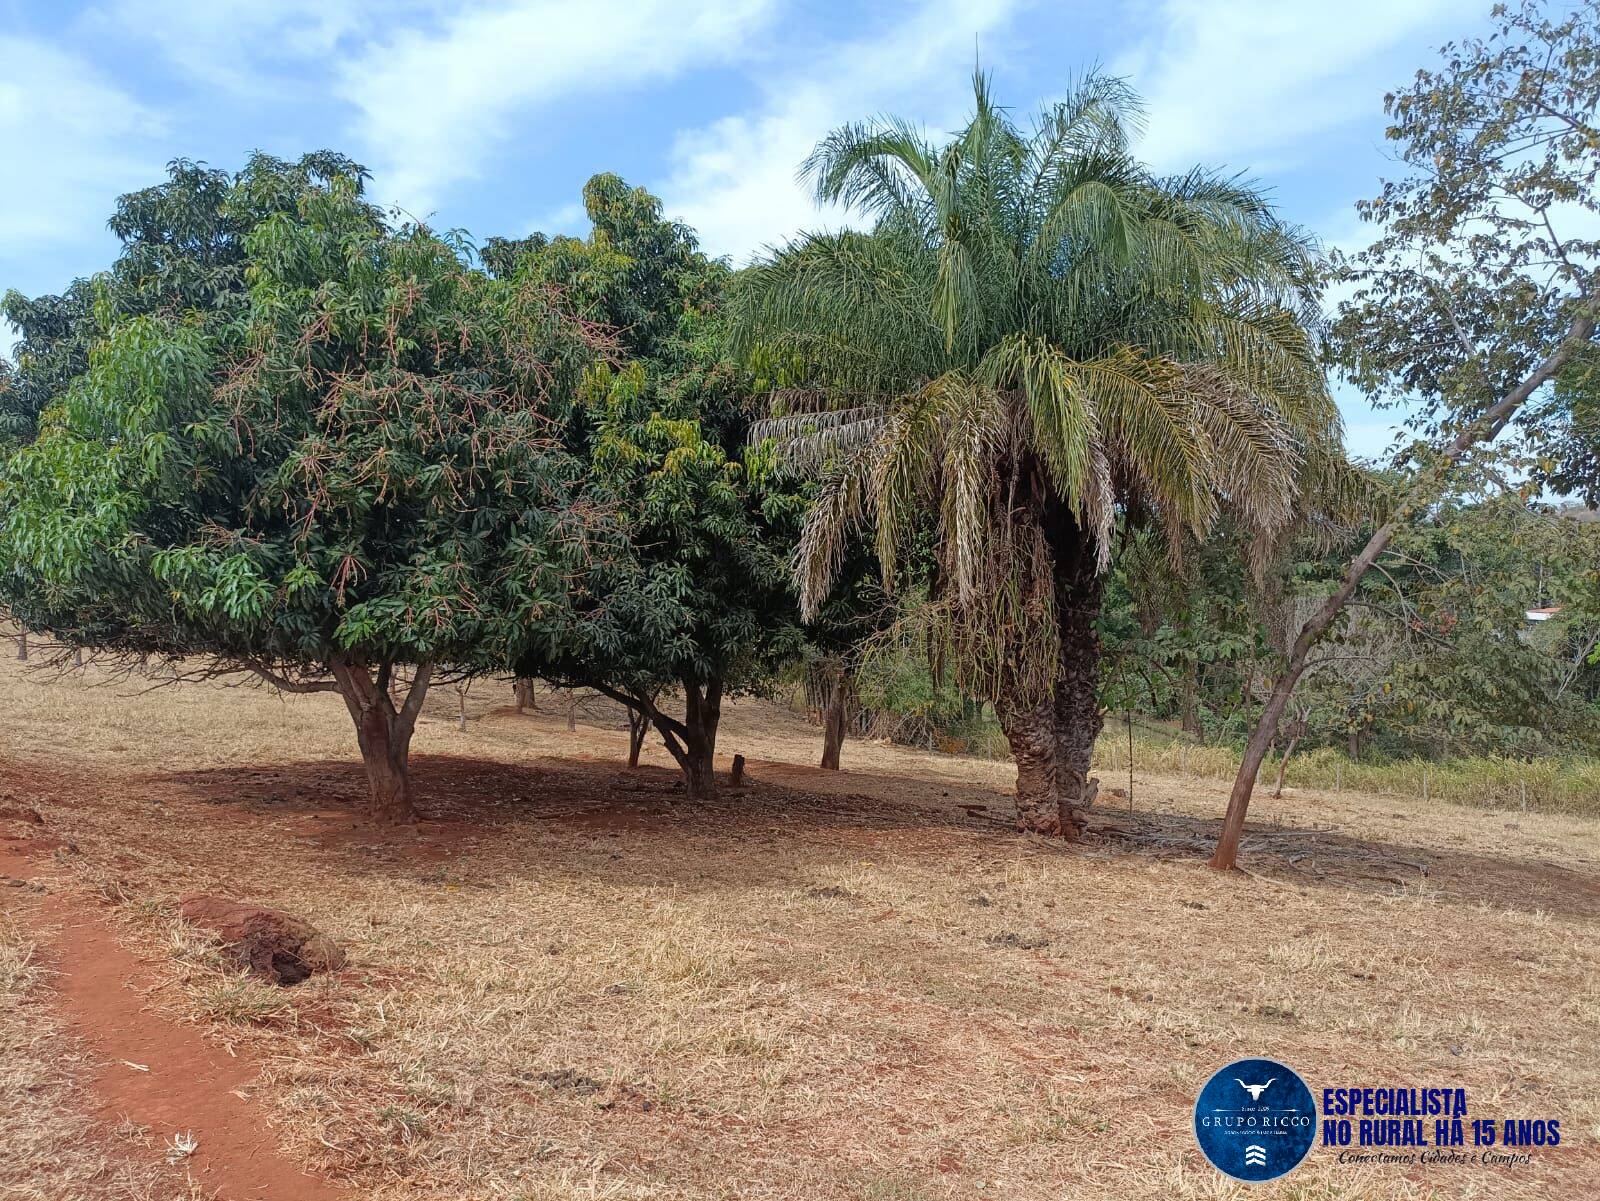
<point>734,179</point>
<point>1255,81</point>
<point>572,219</point>
<point>435,104</point>
<point>71,141</point>
<point>229,43</point>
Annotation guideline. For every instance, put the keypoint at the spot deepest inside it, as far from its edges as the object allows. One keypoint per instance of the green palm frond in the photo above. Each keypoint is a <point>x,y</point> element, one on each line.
<point>882,168</point>
<point>1064,424</point>
<point>1039,325</point>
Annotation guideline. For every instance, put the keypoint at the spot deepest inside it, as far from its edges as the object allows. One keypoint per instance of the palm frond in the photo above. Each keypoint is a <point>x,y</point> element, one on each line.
<point>1049,327</point>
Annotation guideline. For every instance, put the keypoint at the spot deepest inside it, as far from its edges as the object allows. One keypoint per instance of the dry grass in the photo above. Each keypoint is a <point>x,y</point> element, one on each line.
<point>573,984</point>
<point>1543,785</point>
<point>49,1148</point>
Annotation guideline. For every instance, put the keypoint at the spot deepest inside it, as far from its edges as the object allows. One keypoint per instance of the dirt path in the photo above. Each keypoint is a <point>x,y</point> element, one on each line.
<point>182,1084</point>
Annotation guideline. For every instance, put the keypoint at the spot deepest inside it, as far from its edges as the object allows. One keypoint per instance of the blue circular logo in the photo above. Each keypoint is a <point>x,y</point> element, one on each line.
<point>1255,1120</point>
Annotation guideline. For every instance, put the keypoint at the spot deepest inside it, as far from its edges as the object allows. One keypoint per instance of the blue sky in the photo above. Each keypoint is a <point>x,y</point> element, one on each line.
<point>489,115</point>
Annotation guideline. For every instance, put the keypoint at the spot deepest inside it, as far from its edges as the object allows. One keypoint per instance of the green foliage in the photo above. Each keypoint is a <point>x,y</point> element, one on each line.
<point>702,596</point>
<point>1569,458</point>
<point>359,455</point>
<point>1433,656</point>
<point>1486,251</point>
<point>183,251</point>
<point>1188,640</point>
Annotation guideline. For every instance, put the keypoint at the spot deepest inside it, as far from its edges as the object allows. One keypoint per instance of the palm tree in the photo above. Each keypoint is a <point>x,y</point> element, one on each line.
<point>1037,343</point>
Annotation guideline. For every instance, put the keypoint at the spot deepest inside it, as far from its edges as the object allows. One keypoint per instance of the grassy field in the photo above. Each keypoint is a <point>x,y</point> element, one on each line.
<point>569,982</point>
<point>1542,785</point>
<point>1546,784</point>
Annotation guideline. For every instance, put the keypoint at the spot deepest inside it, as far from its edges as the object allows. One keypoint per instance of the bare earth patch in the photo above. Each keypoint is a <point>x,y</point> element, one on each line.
<point>571,982</point>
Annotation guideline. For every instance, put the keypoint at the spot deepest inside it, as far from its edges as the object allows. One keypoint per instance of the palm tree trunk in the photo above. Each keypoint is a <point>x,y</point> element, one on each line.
<point>1075,712</point>
<point>1030,729</point>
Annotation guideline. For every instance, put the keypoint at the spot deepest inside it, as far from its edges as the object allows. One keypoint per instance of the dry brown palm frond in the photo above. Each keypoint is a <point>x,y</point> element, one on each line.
<point>844,507</point>
<point>810,442</point>
<point>976,424</point>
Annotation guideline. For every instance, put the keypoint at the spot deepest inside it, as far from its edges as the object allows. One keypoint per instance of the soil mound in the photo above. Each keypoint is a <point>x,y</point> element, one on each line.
<point>268,942</point>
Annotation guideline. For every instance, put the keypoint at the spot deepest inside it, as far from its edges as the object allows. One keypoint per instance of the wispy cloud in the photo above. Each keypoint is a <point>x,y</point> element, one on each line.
<point>241,45</point>
<point>436,104</point>
<point>1255,81</point>
<point>74,140</point>
<point>734,179</point>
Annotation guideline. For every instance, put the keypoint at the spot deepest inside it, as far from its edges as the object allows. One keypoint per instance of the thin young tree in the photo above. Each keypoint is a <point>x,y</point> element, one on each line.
<point>1481,288</point>
<point>1036,337</point>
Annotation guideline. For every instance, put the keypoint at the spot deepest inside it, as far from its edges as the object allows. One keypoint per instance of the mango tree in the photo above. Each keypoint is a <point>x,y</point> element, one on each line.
<point>353,471</point>
<point>698,602</point>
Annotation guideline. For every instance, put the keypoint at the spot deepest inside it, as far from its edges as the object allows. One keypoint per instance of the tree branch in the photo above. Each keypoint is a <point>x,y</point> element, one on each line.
<point>416,693</point>
<point>281,682</point>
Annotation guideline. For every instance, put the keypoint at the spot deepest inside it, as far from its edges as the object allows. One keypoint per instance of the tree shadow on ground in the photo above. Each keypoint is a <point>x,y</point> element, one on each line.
<point>646,818</point>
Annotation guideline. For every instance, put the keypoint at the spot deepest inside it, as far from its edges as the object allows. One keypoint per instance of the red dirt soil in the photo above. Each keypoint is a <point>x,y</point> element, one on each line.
<point>190,1086</point>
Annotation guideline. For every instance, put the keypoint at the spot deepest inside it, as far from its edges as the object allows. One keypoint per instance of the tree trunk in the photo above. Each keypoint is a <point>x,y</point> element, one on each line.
<point>523,691</point>
<point>1052,737</point>
<point>692,742</point>
<point>833,723</point>
<point>1076,718</point>
<point>1283,766</point>
<point>638,727</point>
<point>1190,715</point>
<point>22,647</point>
<point>1030,729</point>
<point>385,753</point>
<point>1485,429</point>
<point>384,733</point>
